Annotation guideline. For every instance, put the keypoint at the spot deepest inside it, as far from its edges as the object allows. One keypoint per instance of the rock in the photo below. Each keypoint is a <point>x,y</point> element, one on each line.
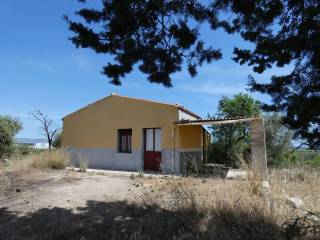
<point>266,184</point>
<point>6,161</point>
<point>237,174</point>
<point>294,202</point>
<point>265,190</point>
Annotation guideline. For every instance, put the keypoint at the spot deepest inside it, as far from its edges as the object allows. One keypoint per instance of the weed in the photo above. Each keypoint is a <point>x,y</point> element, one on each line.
<point>83,164</point>
<point>40,160</point>
<point>140,174</point>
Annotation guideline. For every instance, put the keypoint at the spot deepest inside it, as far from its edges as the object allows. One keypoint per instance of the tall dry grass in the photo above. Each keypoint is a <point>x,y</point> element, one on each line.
<point>55,160</point>
<point>19,167</point>
<point>233,209</point>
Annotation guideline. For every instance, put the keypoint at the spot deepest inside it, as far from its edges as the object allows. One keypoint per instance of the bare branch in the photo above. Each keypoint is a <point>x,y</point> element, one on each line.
<point>46,126</point>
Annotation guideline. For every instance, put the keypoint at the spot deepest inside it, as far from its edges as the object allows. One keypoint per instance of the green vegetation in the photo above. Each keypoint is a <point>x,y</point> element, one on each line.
<point>57,140</point>
<point>162,37</point>
<point>231,142</point>
<point>300,159</point>
<point>9,127</point>
<point>278,139</point>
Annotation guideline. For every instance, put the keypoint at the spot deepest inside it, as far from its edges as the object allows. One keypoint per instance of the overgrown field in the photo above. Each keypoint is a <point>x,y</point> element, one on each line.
<point>19,167</point>
<point>179,208</point>
<point>231,209</point>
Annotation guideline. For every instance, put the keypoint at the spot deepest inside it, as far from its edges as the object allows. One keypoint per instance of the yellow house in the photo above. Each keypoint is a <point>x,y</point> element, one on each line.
<point>123,133</point>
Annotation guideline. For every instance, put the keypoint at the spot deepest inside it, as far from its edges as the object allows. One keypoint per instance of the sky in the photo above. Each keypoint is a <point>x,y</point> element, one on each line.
<point>40,69</point>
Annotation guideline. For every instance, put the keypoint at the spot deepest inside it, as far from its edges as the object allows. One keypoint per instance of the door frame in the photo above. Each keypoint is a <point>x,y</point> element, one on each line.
<point>154,144</point>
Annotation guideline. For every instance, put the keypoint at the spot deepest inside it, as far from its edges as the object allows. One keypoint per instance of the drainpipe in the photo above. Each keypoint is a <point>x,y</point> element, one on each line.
<point>172,147</point>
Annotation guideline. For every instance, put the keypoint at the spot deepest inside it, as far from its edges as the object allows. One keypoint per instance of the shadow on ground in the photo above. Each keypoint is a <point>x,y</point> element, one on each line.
<point>121,220</point>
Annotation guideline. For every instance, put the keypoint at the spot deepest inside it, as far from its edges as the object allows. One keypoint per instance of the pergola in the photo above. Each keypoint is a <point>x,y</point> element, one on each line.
<point>258,146</point>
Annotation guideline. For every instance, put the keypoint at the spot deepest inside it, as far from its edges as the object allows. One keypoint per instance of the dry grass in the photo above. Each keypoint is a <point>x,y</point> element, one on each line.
<point>54,159</point>
<point>231,209</point>
<point>187,208</point>
<point>83,164</point>
<point>20,168</point>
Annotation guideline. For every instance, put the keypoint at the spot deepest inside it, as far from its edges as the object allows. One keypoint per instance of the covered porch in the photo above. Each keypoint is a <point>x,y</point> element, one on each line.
<point>187,133</point>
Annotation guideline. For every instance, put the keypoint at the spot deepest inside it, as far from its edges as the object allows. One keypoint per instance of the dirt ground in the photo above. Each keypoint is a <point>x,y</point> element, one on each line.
<point>68,189</point>
<point>64,204</point>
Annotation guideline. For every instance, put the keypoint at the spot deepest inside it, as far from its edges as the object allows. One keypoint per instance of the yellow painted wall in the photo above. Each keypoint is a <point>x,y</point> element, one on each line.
<point>97,125</point>
<point>190,137</point>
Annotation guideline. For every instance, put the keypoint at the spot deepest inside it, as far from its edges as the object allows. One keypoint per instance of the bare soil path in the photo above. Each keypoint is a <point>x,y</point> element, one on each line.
<point>67,189</point>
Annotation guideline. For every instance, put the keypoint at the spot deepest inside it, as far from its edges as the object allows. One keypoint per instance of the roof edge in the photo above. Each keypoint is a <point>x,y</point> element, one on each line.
<point>178,106</point>
<point>182,108</point>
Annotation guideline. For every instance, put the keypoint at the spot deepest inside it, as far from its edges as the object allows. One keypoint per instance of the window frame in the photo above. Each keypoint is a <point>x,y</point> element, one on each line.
<point>145,130</point>
<point>127,132</point>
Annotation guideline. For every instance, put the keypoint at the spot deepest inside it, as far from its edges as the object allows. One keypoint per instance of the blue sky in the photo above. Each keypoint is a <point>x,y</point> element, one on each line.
<point>40,69</point>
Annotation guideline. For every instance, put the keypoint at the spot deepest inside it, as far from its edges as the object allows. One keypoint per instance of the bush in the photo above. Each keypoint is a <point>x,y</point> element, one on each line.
<point>58,159</point>
<point>237,156</point>
<point>315,162</point>
<point>299,158</point>
<point>231,141</point>
<point>19,149</point>
<point>278,139</point>
<point>8,128</point>
<point>57,141</point>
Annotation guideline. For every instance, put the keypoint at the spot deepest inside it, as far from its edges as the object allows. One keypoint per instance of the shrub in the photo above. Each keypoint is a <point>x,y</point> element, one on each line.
<point>19,149</point>
<point>140,174</point>
<point>58,159</point>
<point>83,164</point>
<point>57,141</point>
<point>315,162</point>
<point>8,128</point>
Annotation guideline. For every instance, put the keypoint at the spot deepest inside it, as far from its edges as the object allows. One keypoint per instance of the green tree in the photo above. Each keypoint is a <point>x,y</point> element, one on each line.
<point>57,140</point>
<point>231,142</point>
<point>155,35</point>
<point>278,138</point>
<point>162,36</point>
<point>283,33</point>
<point>9,127</point>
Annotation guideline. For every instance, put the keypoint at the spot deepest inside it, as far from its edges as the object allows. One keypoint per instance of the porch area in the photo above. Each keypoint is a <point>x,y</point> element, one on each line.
<point>192,140</point>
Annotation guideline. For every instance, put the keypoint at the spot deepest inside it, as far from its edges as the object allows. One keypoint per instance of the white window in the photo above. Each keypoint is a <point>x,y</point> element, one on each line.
<point>153,139</point>
<point>157,138</point>
<point>149,139</point>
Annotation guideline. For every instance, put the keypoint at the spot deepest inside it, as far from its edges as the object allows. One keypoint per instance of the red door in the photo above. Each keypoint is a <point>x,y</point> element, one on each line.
<point>152,149</point>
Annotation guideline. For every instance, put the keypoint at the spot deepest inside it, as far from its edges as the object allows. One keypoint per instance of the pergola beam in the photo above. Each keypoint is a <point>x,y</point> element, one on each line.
<point>215,121</point>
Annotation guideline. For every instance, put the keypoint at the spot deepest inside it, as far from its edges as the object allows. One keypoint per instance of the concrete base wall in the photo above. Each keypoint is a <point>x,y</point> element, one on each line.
<point>107,158</point>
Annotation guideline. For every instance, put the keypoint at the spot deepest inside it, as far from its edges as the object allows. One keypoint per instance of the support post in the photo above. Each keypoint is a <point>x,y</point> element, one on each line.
<point>258,150</point>
<point>173,138</point>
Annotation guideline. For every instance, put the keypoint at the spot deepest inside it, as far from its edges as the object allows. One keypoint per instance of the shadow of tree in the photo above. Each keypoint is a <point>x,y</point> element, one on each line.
<point>121,220</point>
